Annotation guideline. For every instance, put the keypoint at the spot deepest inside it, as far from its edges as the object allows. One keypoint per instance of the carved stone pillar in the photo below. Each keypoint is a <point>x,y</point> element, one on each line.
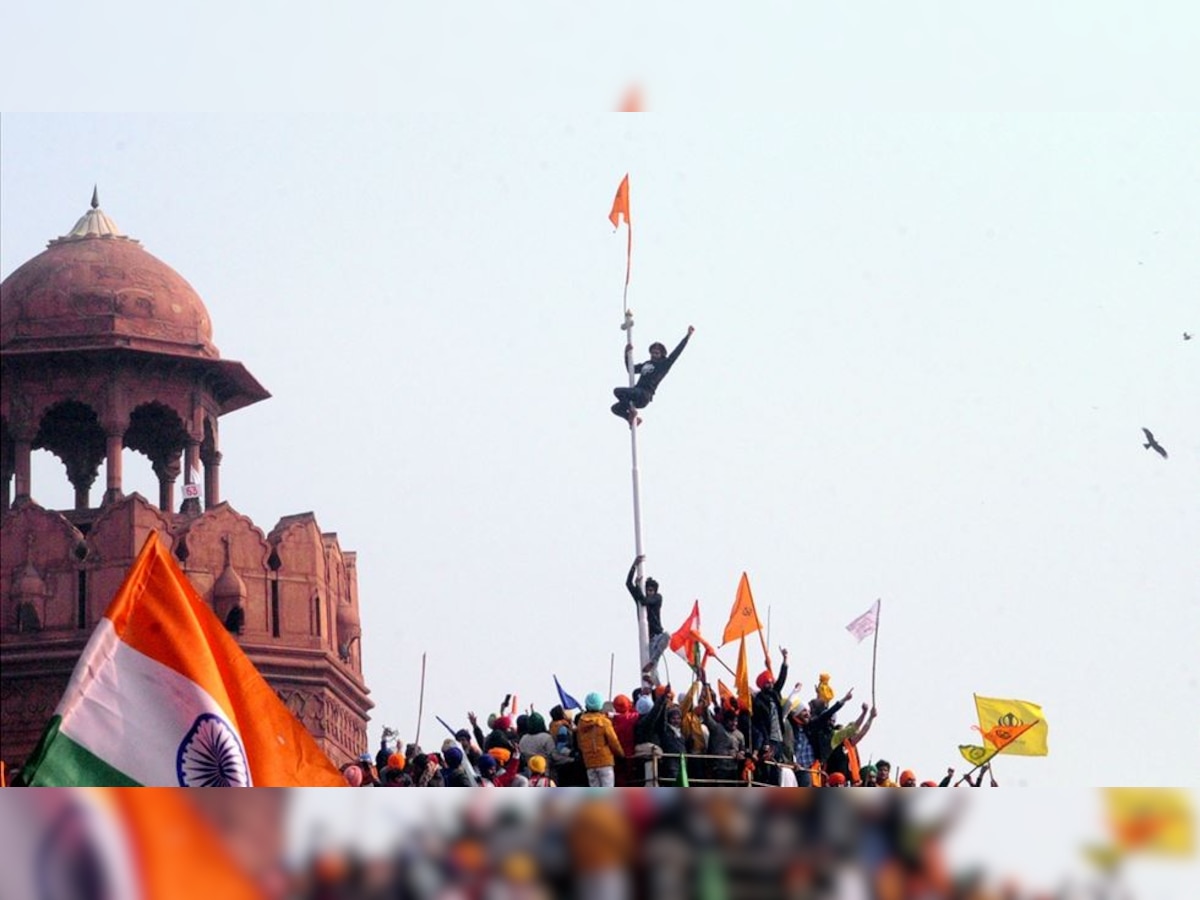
<point>212,479</point>
<point>191,504</point>
<point>82,470</point>
<point>167,469</point>
<point>22,453</point>
<point>112,462</point>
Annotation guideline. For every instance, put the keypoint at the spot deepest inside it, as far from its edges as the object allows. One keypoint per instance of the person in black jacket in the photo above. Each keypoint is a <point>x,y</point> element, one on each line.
<point>821,725</point>
<point>766,710</point>
<point>652,600</point>
<point>650,373</point>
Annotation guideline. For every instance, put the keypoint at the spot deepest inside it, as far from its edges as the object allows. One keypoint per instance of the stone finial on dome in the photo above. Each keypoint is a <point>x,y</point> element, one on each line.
<point>93,223</point>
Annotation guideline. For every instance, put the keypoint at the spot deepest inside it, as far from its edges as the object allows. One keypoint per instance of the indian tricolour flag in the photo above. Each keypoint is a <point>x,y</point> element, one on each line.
<point>107,842</point>
<point>164,696</point>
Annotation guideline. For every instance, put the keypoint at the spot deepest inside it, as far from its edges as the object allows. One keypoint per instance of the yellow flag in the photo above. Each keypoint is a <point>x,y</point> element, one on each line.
<point>975,754</point>
<point>1151,820</point>
<point>743,618</point>
<point>1016,726</point>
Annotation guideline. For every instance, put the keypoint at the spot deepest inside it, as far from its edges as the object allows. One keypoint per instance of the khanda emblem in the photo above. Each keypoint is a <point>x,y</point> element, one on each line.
<point>975,754</point>
<point>1006,730</point>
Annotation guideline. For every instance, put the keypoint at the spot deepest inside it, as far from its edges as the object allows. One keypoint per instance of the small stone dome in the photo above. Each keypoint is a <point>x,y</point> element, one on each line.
<point>97,289</point>
<point>229,586</point>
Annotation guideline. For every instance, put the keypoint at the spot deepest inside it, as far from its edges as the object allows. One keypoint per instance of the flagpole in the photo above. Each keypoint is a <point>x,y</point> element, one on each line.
<point>612,662</point>
<point>875,647</point>
<point>420,703</point>
<point>643,627</point>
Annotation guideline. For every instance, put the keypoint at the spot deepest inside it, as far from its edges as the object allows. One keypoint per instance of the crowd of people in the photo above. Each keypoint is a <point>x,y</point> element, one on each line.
<point>653,736</point>
<point>625,845</point>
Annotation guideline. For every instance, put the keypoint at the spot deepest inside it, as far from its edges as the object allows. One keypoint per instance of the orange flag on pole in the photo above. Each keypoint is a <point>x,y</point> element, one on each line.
<point>743,677</point>
<point>687,642</point>
<point>725,693</point>
<point>743,618</point>
<point>620,205</point>
<point>620,208</point>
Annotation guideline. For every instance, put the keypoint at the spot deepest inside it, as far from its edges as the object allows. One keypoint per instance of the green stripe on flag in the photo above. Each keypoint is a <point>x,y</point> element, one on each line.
<point>60,762</point>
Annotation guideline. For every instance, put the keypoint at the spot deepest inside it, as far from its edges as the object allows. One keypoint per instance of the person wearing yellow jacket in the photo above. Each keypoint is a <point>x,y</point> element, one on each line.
<point>597,742</point>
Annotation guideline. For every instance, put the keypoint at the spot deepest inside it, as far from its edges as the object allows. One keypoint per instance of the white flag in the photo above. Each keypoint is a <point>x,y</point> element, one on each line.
<point>191,488</point>
<point>864,625</point>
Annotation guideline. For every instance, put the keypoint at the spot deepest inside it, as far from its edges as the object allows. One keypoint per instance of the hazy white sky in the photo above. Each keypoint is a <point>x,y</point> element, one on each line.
<point>927,338</point>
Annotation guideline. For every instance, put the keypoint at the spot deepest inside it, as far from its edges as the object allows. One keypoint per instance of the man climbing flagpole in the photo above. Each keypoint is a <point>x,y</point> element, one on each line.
<point>620,209</point>
<point>643,380</point>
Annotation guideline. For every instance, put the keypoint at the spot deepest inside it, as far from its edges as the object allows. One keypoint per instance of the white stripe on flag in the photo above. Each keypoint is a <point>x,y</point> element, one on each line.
<point>130,710</point>
<point>864,625</point>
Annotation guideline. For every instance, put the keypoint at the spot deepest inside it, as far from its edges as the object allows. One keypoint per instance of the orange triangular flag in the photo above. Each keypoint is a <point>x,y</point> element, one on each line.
<point>743,677</point>
<point>687,641</point>
<point>620,205</point>
<point>743,618</point>
<point>724,692</point>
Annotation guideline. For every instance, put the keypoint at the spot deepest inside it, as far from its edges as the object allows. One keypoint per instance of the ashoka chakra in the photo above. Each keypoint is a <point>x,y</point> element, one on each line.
<point>211,756</point>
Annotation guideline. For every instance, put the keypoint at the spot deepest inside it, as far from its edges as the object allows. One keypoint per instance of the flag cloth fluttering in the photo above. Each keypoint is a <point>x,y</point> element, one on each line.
<point>742,677</point>
<point>1151,820</point>
<point>140,845</point>
<point>743,618</point>
<point>620,209</point>
<point>687,641</point>
<point>997,739</point>
<point>567,701</point>
<point>164,696</point>
<point>864,626</point>
<point>998,719</point>
<point>723,692</point>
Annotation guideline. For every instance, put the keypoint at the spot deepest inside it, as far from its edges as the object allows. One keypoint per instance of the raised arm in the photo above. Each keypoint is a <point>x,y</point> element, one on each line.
<point>634,584</point>
<point>870,720</point>
<point>783,672</point>
<point>679,349</point>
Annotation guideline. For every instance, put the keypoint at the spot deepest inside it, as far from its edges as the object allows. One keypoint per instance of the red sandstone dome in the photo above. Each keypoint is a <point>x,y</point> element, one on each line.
<point>96,289</point>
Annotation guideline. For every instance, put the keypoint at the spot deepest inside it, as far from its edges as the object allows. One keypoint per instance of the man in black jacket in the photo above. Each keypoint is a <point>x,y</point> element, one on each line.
<point>650,373</point>
<point>766,710</point>
<point>652,600</point>
<point>821,725</point>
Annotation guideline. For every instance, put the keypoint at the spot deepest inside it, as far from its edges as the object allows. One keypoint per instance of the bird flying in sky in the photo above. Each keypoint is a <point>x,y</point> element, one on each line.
<point>1186,336</point>
<point>1152,444</point>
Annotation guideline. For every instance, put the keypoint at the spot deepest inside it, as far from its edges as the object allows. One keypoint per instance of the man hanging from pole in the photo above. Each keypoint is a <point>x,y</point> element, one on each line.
<point>650,373</point>
<point>651,601</point>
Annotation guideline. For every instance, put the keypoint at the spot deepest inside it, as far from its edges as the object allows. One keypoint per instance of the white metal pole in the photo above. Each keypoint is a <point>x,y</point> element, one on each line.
<point>643,628</point>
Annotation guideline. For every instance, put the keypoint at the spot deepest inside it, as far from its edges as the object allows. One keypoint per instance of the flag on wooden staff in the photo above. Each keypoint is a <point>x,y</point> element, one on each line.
<point>864,626</point>
<point>999,719</point>
<point>687,641</point>
<point>743,618</point>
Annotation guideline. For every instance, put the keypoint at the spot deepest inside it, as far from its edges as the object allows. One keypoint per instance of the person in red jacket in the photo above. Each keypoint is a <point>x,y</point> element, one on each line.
<point>624,721</point>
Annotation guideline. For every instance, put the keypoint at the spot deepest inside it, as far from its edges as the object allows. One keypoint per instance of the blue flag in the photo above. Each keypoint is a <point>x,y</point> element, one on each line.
<point>567,701</point>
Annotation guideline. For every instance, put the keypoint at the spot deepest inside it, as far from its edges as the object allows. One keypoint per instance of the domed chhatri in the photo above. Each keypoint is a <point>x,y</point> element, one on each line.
<point>95,288</point>
<point>107,360</point>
